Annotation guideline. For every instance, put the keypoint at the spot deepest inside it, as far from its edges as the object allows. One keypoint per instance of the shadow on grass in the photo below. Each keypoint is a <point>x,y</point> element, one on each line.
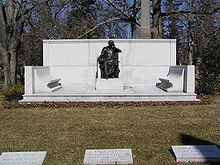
<point>191,140</point>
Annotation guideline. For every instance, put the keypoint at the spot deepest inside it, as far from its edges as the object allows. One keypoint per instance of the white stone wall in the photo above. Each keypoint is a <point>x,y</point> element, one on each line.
<point>135,52</point>
<point>142,61</point>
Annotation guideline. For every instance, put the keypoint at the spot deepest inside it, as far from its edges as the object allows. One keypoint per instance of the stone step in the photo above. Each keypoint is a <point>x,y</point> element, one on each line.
<point>107,98</point>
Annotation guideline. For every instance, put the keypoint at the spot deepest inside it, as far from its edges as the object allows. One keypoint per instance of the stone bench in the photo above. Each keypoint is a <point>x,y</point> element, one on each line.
<point>173,82</point>
<point>45,81</point>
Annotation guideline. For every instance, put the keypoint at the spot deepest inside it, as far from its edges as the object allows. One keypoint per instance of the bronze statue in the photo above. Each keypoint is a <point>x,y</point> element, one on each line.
<point>108,61</point>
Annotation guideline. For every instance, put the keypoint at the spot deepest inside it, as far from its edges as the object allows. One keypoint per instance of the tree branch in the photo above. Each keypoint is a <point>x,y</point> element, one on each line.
<point>118,8</point>
<point>215,10</point>
<point>128,18</point>
<point>99,24</point>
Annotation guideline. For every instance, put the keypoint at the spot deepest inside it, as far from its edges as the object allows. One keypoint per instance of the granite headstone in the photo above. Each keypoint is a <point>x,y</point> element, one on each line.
<point>108,156</point>
<point>197,153</point>
<point>22,158</point>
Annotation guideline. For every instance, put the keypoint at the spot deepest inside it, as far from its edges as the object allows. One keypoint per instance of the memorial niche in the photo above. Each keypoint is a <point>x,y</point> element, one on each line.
<point>108,61</point>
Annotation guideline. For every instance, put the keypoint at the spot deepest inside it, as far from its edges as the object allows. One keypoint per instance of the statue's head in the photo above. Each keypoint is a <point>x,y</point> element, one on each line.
<point>111,43</point>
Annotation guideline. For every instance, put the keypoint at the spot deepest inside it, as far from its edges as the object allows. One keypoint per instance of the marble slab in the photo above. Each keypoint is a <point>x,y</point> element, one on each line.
<point>108,157</point>
<point>22,158</point>
<point>109,84</point>
<point>197,153</point>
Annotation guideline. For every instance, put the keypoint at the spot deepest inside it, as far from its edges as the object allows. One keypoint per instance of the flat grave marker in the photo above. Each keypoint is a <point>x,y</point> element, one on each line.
<point>197,153</point>
<point>22,158</point>
<point>108,156</point>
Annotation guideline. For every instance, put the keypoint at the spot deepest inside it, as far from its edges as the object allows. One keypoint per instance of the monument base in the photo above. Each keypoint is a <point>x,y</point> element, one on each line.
<point>129,94</point>
<point>109,84</point>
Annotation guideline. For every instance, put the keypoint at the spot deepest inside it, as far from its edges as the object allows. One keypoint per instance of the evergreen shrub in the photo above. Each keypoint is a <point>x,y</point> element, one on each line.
<point>13,93</point>
<point>209,69</point>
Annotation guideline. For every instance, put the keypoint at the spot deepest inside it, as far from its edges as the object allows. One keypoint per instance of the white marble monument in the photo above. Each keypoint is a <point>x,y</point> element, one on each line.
<point>70,72</point>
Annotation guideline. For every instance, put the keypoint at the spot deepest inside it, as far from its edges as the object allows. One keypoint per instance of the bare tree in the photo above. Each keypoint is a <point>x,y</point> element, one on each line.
<point>48,19</point>
<point>128,12</point>
<point>13,15</point>
<point>195,21</point>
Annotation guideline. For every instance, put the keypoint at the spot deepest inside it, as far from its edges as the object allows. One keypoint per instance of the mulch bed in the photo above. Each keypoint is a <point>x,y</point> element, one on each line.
<point>204,100</point>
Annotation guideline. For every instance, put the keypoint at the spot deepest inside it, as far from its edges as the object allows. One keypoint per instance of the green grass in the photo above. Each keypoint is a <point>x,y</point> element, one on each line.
<point>149,131</point>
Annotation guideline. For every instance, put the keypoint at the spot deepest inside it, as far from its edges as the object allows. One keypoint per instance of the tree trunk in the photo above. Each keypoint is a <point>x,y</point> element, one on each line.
<point>13,66</point>
<point>191,52</point>
<point>133,20</point>
<point>157,19</point>
<point>133,30</point>
<point>6,64</point>
<point>10,65</point>
<point>191,42</point>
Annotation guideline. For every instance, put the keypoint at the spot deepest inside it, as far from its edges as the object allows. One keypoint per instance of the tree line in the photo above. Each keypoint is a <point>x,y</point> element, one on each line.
<point>25,23</point>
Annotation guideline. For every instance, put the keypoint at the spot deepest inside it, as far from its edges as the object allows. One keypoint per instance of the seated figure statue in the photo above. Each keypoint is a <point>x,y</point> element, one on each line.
<point>108,61</point>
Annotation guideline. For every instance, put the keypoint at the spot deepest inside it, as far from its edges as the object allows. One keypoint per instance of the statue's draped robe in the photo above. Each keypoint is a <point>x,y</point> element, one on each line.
<point>108,62</point>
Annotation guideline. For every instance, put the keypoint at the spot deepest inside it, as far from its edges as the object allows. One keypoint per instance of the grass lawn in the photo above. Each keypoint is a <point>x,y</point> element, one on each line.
<point>149,131</point>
